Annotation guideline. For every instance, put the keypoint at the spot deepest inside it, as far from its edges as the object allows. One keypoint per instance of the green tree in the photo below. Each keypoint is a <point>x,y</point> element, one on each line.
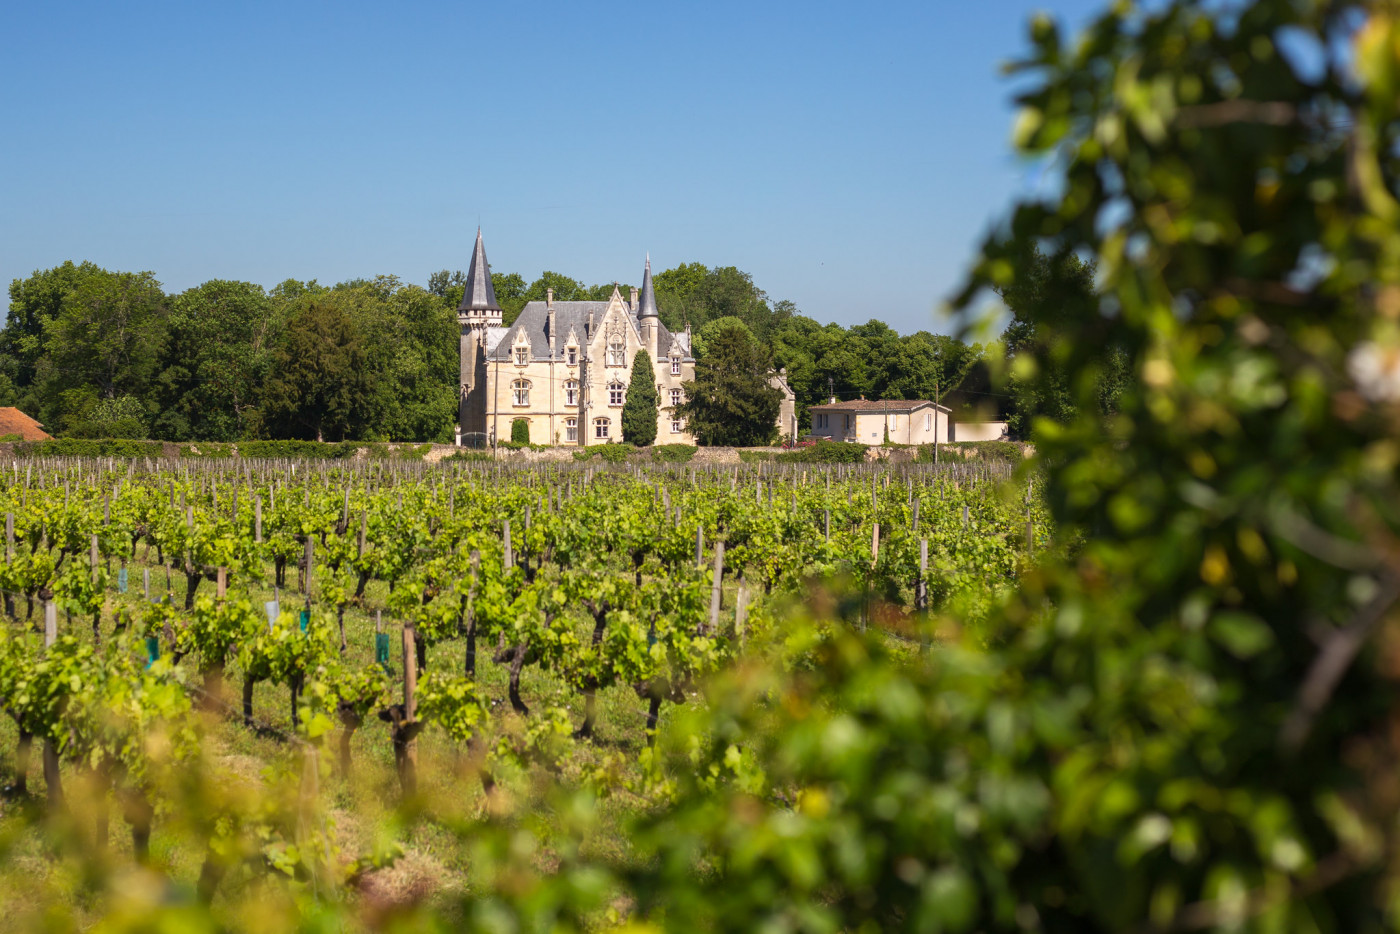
<point>730,402</point>
<point>510,291</point>
<point>704,338</point>
<point>641,408</point>
<point>520,431</point>
<point>122,417</point>
<point>215,361</point>
<point>442,283</point>
<point>321,385</point>
<point>412,347</point>
<point>1048,291</point>
<point>33,303</point>
<point>105,342</point>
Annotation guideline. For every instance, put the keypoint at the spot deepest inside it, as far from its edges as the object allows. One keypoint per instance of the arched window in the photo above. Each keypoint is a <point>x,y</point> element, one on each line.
<point>571,392</point>
<point>616,393</point>
<point>571,430</point>
<point>520,392</point>
<point>617,352</point>
<point>522,355</point>
<point>600,428</point>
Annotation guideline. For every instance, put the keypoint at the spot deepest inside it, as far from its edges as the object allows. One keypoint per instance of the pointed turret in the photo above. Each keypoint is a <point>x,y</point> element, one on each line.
<point>648,316</point>
<point>480,295</point>
<point>647,308</point>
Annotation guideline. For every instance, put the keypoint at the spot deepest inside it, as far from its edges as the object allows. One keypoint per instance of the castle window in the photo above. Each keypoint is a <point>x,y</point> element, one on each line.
<point>677,426</point>
<point>520,392</point>
<point>600,428</point>
<point>571,392</point>
<point>571,429</point>
<point>675,366</point>
<point>522,355</point>
<point>572,355</point>
<point>617,352</point>
<point>616,393</point>
<point>675,397</point>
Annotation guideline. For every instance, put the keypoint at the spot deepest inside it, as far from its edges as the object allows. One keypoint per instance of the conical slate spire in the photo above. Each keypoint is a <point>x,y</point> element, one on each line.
<point>646,307</point>
<point>480,294</point>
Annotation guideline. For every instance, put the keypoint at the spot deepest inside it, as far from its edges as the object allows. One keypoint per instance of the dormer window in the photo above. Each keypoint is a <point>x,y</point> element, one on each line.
<point>675,366</point>
<point>617,352</point>
<point>571,392</point>
<point>571,354</point>
<point>616,393</point>
<point>522,355</point>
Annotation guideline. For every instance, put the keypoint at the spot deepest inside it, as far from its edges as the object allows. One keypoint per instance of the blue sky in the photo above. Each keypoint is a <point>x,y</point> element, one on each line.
<point>849,155</point>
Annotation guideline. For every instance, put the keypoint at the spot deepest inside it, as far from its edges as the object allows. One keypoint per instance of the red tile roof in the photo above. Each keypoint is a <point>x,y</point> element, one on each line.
<point>874,405</point>
<point>15,422</point>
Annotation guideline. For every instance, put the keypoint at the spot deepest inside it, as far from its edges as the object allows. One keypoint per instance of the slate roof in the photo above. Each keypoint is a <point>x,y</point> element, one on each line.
<point>893,406</point>
<point>15,422</point>
<point>480,294</point>
<point>567,315</point>
<point>646,306</point>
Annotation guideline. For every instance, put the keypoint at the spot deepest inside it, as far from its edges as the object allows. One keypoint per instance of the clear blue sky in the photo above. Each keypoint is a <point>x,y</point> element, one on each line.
<point>848,155</point>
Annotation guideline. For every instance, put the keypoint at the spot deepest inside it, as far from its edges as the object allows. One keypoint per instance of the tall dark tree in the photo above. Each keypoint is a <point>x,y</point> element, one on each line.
<point>730,401</point>
<point>321,385</point>
<point>642,405</point>
<point>410,338</point>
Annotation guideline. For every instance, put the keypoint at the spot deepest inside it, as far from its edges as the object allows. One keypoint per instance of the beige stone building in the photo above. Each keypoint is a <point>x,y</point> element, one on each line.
<point>564,367</point>
<point>907,421</point>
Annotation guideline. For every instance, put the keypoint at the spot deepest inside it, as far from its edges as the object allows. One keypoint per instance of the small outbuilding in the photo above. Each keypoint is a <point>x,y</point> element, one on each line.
<point>14,422</point>
<point>871,421</point>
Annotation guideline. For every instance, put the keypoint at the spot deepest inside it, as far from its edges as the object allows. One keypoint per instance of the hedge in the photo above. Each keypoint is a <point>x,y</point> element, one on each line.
<point>673,453</point>
<point>1010,451</point>
<point>292,450</point>
<point>612,453</point>
<point>823,452</point>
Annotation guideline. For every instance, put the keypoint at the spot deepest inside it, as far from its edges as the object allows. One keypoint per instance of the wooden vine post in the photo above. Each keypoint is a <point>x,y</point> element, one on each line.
<point>52,780</point>
<point>403,722</point>
<point>716,589</point>
<point>921,593</point>
<point>10,555</point>
<point>741,614</point>
<point>92,570</point>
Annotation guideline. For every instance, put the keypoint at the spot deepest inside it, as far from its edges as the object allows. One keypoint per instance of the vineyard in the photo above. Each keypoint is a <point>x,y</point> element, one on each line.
<point>329,679</point>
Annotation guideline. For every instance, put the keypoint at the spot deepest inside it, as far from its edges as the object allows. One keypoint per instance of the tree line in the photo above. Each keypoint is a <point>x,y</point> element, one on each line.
<point>92,352</point>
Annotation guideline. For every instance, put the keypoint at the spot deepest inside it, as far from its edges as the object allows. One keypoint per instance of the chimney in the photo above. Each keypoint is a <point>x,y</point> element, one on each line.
<point>549,298</point>
<point>549,330</point>
<point>634,301</point>
<point>588,335</point>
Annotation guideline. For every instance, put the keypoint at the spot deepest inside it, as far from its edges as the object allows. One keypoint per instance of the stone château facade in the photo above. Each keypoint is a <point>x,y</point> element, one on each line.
<point>563,367</point>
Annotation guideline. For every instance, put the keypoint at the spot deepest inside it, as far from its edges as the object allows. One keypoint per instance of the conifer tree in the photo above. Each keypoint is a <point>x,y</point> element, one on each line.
<point>730,400</point>
<point>639,411</point>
